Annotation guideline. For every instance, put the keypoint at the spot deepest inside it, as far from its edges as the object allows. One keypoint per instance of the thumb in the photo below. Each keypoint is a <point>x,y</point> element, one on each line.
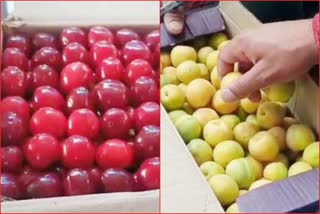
<point>174,22</point>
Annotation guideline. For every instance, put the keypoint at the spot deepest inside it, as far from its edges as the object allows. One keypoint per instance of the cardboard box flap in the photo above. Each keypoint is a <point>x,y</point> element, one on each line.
<point>87,13</point>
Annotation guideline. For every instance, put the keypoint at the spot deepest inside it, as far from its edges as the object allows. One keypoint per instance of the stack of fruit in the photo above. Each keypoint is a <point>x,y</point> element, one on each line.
<point>80,114</point>
<point>238,146</point>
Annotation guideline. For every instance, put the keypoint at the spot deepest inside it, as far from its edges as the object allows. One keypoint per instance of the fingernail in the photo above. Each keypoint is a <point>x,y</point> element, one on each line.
<point>175,27</point>
<point>228,96</point>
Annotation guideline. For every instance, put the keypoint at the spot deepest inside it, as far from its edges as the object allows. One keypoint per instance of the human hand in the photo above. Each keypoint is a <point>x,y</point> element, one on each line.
<point>274,53</point>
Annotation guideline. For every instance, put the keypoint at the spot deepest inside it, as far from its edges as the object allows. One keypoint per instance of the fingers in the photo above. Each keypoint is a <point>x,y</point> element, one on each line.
<point>255,97</point>
<point>249,82</point>
<point>174,22</point>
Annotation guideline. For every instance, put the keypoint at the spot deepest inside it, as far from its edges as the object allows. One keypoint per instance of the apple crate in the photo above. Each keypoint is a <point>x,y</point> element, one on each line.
<point>52,17</point>
<point>183,187</point>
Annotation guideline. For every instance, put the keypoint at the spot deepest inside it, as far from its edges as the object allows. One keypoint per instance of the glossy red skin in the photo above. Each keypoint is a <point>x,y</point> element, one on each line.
<point>11,159</point>
<point>143,90</point>
<point>147,142</point>
<point>10,186</point>
<point>117,180</point>
<point>47,96</point>
<point>61,171</point>
<point>152,39</point>
<point>131,114</point>
<point>136,185</point>
<point>115,123</point>
<point>73,34</point>
<point>148,174</point>
<point>48,120</point>
<point>43,75</point>
<point>41,40</point>
<point>147,114</point>
<point>45,186</point>
<point>80,98</point>
<point>136,50</point>
<point>78,152</point>
<point>75,75</point>
<point>114,153</point>
<point>99,33</point>
<point>14,57</point>
<point>95,175</point>
<point>13,129</point>
<point>48,56</point>
<point>19,41</point>
<point>27,176</point>
<point>125,35</point>
<point>42,151</point>
<point>110,68</point>
<point>83,122</point>
<point>102,50</point>
<point>78,182</point>
<point>156,57</point>
<point>17,105</point>
<point>136,69</point>
<point>111,94</point>
<point>13,82</point>
<point>75,52</point>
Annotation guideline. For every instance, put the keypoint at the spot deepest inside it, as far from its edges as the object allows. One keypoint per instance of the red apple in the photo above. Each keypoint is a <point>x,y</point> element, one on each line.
<point>41,40</point>
<point>80,98</point>
<point>143,90</point>
<point>10,186</point>
<point>14,57</point>
<point>16,105</point>
<point>77,152</point>
<point>136,50</point>
<point>49,56</point>
<point>148,174</point>
<point>78,182</point>
<point>152,39</point>
<point>102,50</point>
<point>14,82</point>
<point>13,129</point>
<point>125,35</point>
<point>99,33</point>
<point>95,175</point>
<point>11,159</point>
<point>147,114</point>
<point>114,153</point>
<point>47,96</point>
<point>48,120</point>
<point>75,52</point>
<point>19,41</point>
<point>136,69</point>
<point>73,34</point>
<point>117,180</point>
<point>147,143</point>
<point>42,151</point>
<point>110,68</point>
<point>43,75</point>
<point>27,176</point>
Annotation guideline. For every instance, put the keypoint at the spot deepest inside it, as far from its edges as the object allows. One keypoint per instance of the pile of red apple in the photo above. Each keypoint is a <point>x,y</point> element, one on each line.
<point>80,113</point>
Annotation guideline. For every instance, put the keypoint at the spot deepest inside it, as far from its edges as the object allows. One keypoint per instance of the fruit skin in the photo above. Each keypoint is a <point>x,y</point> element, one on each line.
<point>259,183</point>
<point>231,120</point>
<point>75,52</point>
<point>203,53</point>
<point>249,106</point>
<point>188,127</point>
<point>16,104</point>
<point>136,69</point>
<point>204,73</point>
<point>299,136</point>
<point>217,131</point>
<point>252,119</point>
<point>47,96</point>
<point>233,208</point>
<point>11,159</point>
<point>263,146</point>
<point>210,168</point>
<point>225,188</point>
<point>188,108</point>
<point>229,78</point>
<point>77,152</point>
<point>199,93</point>
<point>144,89</point>
<point>279,133</point>
<point>110,68</point>
<point>73,34</point>
<point>48,56</point>
<point>148,174</point>
<point>226,151</point>
<point>200,150</point>
<point>10,186</point>
<point>125,35</point>
<point>275,171</point>
<point>270,114</point>
<point>80,98</point>
<point>41,40</point>
<point>170,74</point>
<point>20,41</point>
<point>288,121</point>
<point>98,33</point>
<point>165,60</point>
<point>78,182</point>
<point>147,142</point>
<point>147,114</point>
<point>223,44</point>
<point>176,114</point>
<point>298,167</point>
<point>182,53</point>
<point>204,115</point>
<point>43,75</point>
<point>280,92</point>
<point>216,39</point>
<point>136,49</point>
<point>13,129</point>
<point>14,57</point>
<point>172,97</point>
<point>212,60</point>
<point>46,115</point>
<point>311,154</point>
<point>215,80</point>
<point>243,132</point>
<point>114,153</point>
<point>117,180</point>
<point>242,171</point>
<point>280,158</point>
<point>42,151</point>
<point>257,166</point>
<point>13,81</point>
<point>188,71</point>
<point>221,106</point>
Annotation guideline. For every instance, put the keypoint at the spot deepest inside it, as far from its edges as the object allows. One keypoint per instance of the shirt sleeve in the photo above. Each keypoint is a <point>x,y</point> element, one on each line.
<point>315,26</point>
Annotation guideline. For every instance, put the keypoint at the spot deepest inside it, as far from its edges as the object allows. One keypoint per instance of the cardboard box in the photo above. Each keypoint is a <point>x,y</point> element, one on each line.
<point>51,17</point>
<point>184,188</point>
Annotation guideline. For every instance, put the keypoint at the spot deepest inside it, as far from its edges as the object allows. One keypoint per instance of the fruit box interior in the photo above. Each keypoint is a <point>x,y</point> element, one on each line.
<point>52,17</point>
<point>184,188</point>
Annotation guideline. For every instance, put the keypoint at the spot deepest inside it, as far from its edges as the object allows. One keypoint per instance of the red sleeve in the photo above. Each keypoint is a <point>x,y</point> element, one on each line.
<point>315,26</point>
